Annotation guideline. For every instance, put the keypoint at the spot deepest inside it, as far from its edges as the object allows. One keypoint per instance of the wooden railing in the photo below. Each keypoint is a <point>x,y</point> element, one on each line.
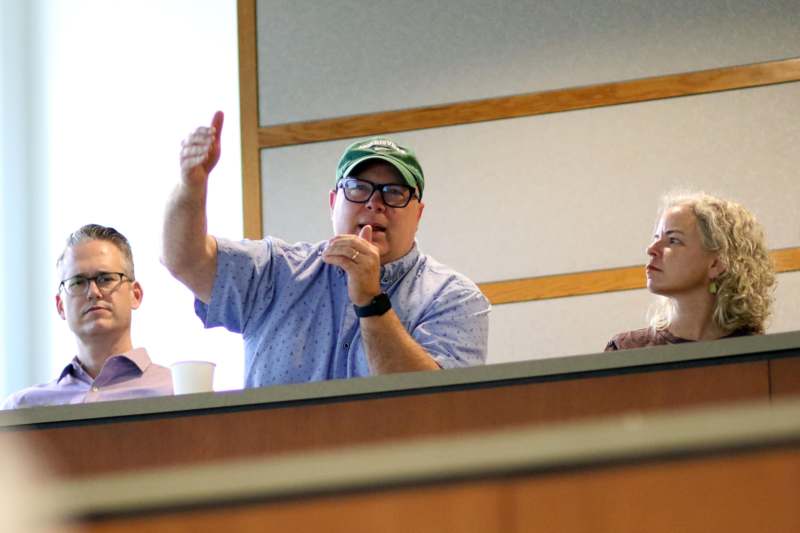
<point>713,470</point>
<point>276,420</point>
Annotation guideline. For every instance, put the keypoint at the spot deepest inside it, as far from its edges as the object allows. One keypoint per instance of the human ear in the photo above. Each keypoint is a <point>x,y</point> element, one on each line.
<point>717,268</point>
<point>332,199</point>
<point>137,293</point>
<point>60,307</point>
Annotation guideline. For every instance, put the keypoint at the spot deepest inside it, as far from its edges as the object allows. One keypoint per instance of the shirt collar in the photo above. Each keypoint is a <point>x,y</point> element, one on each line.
<point>73,368</point>
<point>137,356</point>
<point>391,272</point>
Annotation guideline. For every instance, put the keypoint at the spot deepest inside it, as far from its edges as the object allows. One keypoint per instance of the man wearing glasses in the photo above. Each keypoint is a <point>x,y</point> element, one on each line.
<point>364,302</point>
<point>96,297</point>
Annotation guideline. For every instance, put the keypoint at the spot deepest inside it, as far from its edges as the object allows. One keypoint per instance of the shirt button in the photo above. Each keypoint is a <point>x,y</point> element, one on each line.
<point>346,346</point>
<point>95,388</point>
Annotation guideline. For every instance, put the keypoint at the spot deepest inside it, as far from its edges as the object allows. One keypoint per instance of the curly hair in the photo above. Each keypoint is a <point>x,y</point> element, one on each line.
<point>96,232</point>
<point>745,289</point>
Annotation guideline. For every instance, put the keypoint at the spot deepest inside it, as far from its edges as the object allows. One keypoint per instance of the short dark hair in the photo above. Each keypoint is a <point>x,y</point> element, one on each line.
<point>96,232</point>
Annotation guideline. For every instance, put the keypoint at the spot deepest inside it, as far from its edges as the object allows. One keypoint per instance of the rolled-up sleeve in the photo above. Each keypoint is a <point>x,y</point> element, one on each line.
<point>243,278</point>
<point>454,329</point>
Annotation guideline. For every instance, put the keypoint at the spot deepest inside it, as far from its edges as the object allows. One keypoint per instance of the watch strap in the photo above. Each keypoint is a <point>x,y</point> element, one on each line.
<point>378,306</point>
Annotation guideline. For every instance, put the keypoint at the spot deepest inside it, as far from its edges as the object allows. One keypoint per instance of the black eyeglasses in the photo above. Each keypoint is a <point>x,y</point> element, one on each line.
<point>106,283</point>
<point>360,191</point>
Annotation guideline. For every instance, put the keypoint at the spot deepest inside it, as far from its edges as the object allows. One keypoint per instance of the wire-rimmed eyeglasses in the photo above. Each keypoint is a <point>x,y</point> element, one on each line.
<point>106,283</point>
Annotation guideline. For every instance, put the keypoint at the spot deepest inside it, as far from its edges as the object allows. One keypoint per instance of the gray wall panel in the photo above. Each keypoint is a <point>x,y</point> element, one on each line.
<point>327,59</point>
<point>584,324</point>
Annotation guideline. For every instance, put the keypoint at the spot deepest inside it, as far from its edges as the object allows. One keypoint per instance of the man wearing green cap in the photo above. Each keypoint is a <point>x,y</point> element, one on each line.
<point>364,302</point>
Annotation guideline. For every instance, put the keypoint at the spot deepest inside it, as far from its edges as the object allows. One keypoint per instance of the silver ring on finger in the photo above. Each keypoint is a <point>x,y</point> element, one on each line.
<point>356,253</point>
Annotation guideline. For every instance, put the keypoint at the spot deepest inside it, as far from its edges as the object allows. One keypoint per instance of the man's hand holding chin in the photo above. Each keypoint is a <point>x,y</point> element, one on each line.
<point>361,260</point>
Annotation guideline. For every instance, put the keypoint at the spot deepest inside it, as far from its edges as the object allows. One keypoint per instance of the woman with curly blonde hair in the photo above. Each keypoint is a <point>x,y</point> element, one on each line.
<point>710,262</point>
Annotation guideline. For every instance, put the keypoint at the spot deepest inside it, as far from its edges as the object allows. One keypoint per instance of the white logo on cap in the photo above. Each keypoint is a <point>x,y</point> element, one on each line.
<point>379,145</point>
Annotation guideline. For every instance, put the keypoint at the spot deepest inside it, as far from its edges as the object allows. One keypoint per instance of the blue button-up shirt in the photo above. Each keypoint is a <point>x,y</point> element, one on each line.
<point>299,325</point>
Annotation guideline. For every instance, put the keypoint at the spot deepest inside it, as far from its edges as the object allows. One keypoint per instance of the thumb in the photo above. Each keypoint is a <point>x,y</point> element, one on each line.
<point>216,147</point>
<point>366,233</point>
<point>217,121</point>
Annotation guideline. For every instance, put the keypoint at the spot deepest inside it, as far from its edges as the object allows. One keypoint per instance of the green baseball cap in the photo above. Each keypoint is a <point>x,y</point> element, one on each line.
<point>401,158</point>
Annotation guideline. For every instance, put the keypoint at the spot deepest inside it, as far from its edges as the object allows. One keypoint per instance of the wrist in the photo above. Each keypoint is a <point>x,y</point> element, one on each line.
<point>378,306</point>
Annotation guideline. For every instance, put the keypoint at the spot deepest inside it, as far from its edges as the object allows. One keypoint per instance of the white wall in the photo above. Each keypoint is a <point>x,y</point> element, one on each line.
<point>550,194</point>
<point>121,84</point>
<point>24,277</point>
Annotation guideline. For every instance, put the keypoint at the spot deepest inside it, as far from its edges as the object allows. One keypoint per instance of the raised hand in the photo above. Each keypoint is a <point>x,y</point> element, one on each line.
<point>201,151</point>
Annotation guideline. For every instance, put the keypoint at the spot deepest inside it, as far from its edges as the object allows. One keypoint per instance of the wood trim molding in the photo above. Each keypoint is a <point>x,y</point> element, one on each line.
<point>248,110</point>
<point>596,281</point>
<point>562,285</point>
<point>538,103</point>
<point>786,259</point>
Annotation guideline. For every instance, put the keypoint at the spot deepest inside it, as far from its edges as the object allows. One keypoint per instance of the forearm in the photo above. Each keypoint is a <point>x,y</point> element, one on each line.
<point>188,251</point>
<point>390,348</point>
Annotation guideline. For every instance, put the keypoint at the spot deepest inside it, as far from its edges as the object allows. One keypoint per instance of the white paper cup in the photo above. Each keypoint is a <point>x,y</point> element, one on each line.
<point>192,376</point>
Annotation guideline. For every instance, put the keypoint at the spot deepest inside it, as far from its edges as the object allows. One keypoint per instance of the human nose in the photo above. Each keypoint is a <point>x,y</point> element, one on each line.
<point>92,289</point>
<point>375,201</point>
<point>654,248</point>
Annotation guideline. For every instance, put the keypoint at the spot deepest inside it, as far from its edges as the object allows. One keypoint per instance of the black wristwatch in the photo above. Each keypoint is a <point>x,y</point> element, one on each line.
<point>378,306</point>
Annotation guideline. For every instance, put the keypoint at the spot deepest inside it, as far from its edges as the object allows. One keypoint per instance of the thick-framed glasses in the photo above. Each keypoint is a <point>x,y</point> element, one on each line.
<point>360,191</point>
<point>106,283</point>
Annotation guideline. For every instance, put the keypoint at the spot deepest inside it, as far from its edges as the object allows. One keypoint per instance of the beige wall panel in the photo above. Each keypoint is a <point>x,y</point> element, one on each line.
<point>584,324</point>
<point>563,326</point>
<point>786,312</point>
<point>326,59</point>
<point>572,191</point>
